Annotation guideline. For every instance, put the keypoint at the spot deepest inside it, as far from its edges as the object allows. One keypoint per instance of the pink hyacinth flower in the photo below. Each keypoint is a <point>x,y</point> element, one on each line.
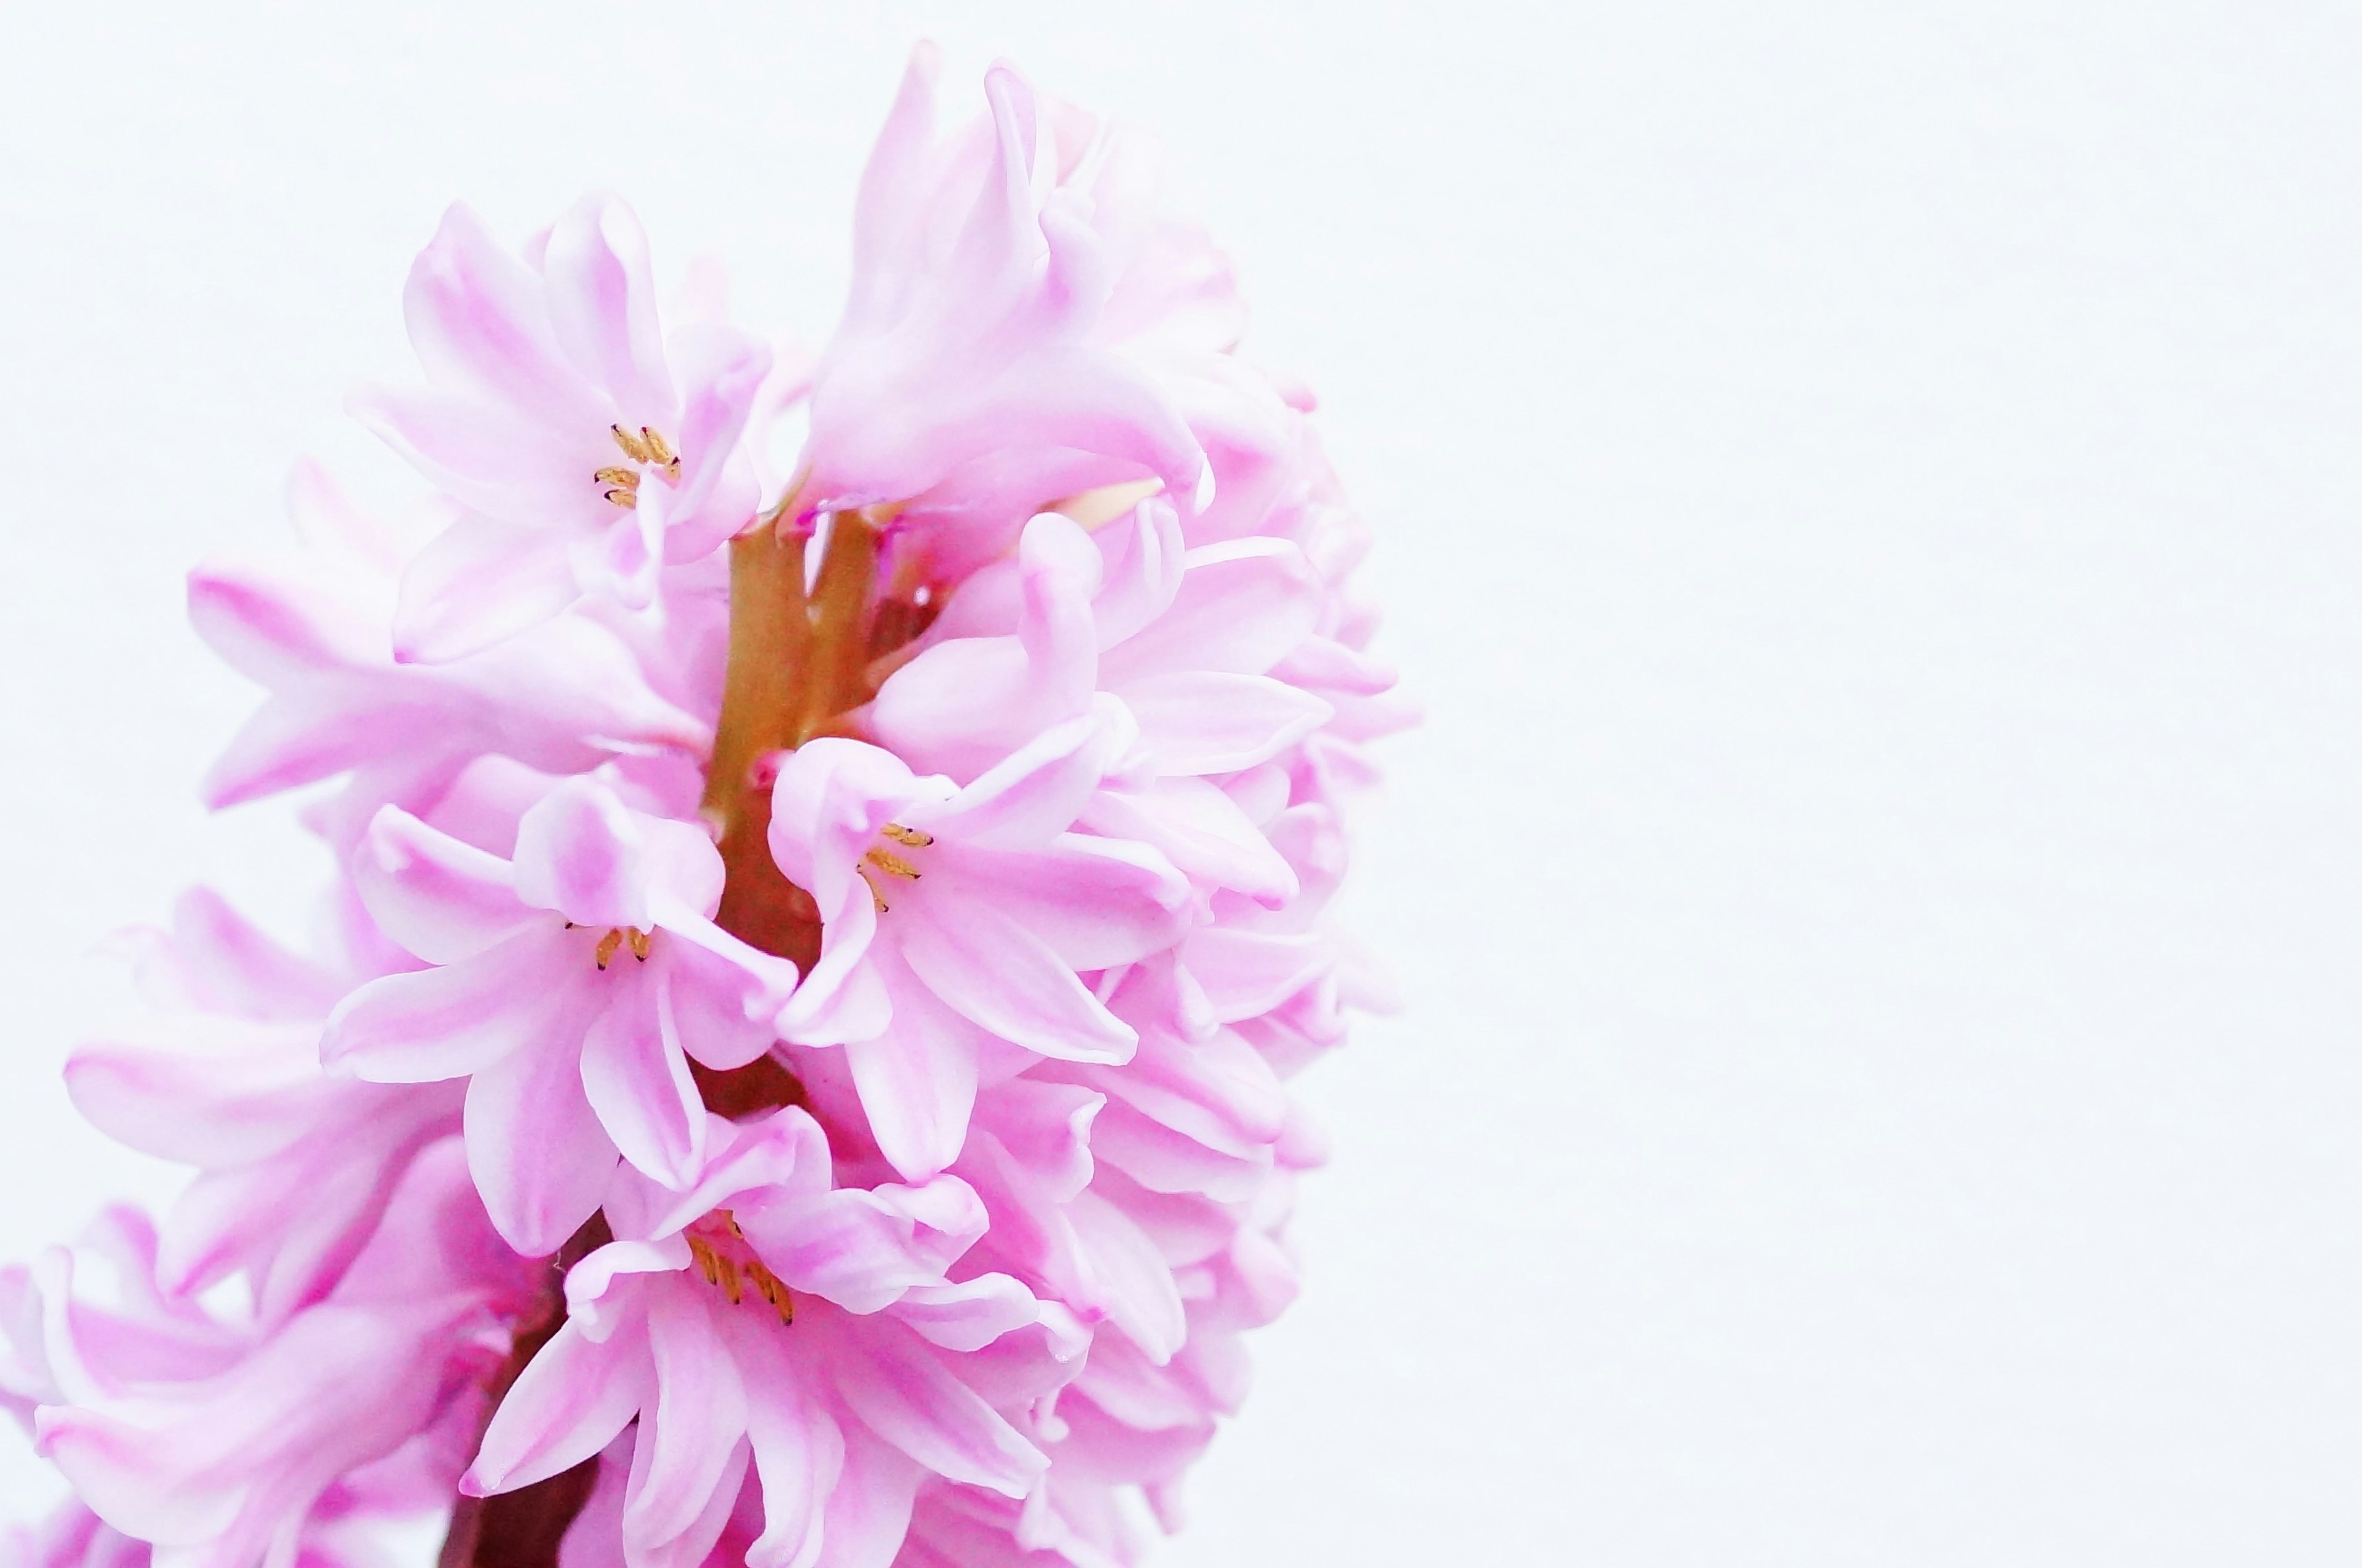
<point>589,445</point>
<point>764,1317</point>
<point>221,1442</point>
<point>957,923</point>
<point>1185,640</point>
<point>294,1165</point>
<point>572,987</point>
<point>973,372</point>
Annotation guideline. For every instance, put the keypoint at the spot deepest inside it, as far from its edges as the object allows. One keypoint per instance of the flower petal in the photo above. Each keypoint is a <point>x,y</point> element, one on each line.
<point>538,1154</point>
<point>443,900</point>
<point>571,1400</point>
<point>1008,980</point>
<point>446,1023</point>
<point>916,1083</point>
<point>636,1079</point>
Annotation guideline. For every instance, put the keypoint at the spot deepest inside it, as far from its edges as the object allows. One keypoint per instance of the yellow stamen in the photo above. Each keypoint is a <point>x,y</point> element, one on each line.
<point>634,448</point>
<point>625,499</point>
<point>875,896</point>
<point>608,943</point>
<point>628,479</point>
<point>910,836</point>
<point>893,864</point>
<point>639,941</point>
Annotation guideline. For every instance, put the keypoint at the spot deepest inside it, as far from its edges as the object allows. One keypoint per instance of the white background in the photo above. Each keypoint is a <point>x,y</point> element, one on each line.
<point>1869,502</point>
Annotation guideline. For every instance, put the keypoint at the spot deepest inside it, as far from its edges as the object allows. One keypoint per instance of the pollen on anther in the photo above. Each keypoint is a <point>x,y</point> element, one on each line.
<point>910,836</point>
<point>893,864</point>
<point>640,942</point>
<point>605,951</point>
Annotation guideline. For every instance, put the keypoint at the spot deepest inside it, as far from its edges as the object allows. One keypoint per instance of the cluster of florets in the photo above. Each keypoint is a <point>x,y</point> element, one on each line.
<point>791,1072</point>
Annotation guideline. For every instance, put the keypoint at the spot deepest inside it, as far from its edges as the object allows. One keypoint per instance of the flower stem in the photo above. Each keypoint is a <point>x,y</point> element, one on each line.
<point>521,1529</point>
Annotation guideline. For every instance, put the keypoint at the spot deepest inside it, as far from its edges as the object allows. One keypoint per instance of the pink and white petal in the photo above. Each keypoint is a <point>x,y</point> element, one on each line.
<point>895,1384</point>
<point>831,797</point>
<point>1142,572</point>
<point>1201,831</point>
<point>844,997</point>
<point>275,629</point>
<point>200,1096</point>
<point>602,307</point>
<point>862,1248</point>
<point>571,1402</point>
<point>799,1449</point>
<point>1132,1281</point>
<point>302,737</point>
<point>722,1011</point>
<point>699,1425</point>
<point>1036,792</point>
<point>970,1315</point>
<point>694,1543</point>
<point>868,1512</point>
<point>478,317</point>
<point>446,1023</point>
<point>962,704</point>
<point>684,870</point>
<point>478,583</point>
<point>1095,902</point>
<point>722,374</point>
<point>636,1079</point>
<point>622,558</point>
<point>782,1152</point>
<point>1242,608</point>
<point>1008,981</point>
<point>916,1083</point>
<point>443,900</point>
<point>581,851</point>
<point>540,1157</point>
<point>1246,973</point>
<point>605,1291</point>
<point>485,456</point>
<point>1200,721</point>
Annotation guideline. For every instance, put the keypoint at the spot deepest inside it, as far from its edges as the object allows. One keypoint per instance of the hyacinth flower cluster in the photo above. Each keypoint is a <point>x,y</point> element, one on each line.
<point>790,1071</point>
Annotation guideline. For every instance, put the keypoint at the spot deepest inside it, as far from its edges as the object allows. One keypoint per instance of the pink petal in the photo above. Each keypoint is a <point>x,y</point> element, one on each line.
<point>1201,831</point>
<point>719,1002</point>
<point>1034,794</point>
<point>1199,722</point>
<point>970,1315</point>
<point>443,900</point>
<point>1242,607</point>
<point>798,1448</point>
<point>868,1511</point>
<point>1131,1282</point>
<point>602,307</point>
<point>688,1441</point>
<point>448,1023</point>
<point>636,1079</point>
<point>917,1082</point>
<point>862,1248</point>
<point>571,1400</point>
<point>582,852</point>
<point>898,1387</point>
<point>1010,982</point>
<point>479,582</point>
<point>537,1152</point>
<point>273,630</point>
<point>722,373</point>
<point>477,318</point>
<point>487,456</point>
<point>1095,902</point>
